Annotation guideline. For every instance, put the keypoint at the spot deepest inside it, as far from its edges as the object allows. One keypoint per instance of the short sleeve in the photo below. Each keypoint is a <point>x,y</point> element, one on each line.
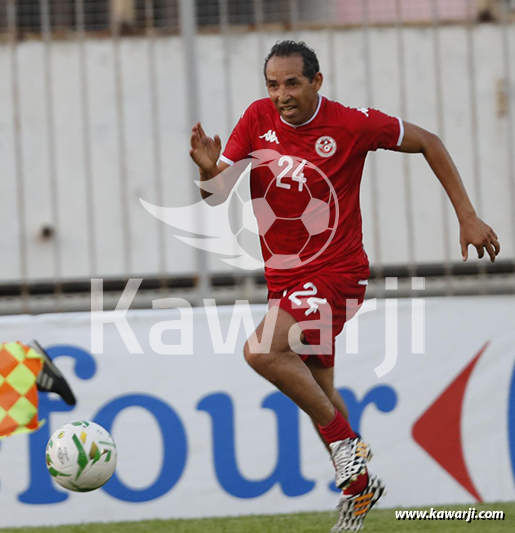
<point>239,145</point>
<point>378,130</point>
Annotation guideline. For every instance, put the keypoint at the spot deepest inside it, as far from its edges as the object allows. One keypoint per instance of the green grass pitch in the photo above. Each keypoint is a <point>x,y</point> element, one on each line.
<point>378,521</point>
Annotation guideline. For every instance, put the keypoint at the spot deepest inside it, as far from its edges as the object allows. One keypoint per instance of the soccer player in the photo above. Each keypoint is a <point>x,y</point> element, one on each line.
<point>306,131</point>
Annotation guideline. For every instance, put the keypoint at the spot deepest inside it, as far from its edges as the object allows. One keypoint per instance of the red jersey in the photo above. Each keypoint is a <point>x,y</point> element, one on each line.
<point>312,184</point>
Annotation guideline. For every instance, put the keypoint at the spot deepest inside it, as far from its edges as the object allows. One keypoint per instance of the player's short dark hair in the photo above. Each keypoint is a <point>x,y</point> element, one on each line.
<point>293,48</point>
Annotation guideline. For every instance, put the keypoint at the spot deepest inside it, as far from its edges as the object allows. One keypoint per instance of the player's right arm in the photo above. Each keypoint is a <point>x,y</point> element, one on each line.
<point>219,174</point>
<point>205,152</point>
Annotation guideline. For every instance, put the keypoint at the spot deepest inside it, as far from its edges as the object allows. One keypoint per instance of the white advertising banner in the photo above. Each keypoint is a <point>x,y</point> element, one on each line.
<point>200,434</point>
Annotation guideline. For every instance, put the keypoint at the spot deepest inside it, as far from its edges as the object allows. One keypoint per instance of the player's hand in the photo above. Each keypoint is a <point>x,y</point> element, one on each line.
<point>474,231</point>
<point>205,151</point>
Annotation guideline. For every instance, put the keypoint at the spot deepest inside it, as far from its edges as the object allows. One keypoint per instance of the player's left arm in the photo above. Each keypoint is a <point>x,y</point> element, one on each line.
<point>472,229</point>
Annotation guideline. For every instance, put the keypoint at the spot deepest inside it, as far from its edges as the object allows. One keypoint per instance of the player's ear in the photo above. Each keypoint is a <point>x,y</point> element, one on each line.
<point>317,81</point>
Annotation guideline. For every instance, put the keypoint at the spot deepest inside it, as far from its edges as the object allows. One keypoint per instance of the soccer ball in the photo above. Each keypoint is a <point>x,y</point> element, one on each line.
<point>81,456</point>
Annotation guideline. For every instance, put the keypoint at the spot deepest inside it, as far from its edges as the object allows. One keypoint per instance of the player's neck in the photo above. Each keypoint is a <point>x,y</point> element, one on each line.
<point>310,119</point>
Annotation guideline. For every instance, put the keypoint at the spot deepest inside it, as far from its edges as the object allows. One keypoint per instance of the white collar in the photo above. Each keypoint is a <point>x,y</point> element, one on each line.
<point>308,121</point>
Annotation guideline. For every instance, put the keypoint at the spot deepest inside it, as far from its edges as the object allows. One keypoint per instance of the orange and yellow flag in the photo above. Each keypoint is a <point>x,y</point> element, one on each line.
<point>19,368</point>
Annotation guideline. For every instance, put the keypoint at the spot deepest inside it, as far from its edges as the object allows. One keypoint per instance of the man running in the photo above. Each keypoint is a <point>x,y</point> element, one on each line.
<point>326,288</point>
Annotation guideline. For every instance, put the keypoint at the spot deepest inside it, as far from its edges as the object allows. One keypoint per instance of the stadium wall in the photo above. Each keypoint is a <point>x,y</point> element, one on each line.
<point>199,434</point>
<point>87,128</point>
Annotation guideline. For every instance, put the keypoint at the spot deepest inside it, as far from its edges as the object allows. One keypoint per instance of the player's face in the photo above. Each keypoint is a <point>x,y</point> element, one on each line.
<point>294,96</point>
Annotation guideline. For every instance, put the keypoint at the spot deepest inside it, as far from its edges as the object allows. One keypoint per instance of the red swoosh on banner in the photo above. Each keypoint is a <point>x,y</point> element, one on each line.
<point>438,430</point>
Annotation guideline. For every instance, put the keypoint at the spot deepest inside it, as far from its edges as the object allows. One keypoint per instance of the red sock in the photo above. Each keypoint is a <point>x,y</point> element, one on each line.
<point>337,429</point>
<point>357,486</point>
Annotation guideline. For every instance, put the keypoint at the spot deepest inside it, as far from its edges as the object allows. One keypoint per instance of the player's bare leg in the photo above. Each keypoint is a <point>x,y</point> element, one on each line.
<point>285,369</point>
<point>324,376</point>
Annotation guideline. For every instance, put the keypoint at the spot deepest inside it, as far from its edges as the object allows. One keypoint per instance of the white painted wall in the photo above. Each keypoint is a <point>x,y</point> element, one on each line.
<point>122,149</point>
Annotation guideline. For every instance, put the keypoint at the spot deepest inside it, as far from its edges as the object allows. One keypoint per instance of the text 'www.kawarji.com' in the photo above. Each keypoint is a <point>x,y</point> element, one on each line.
<point>468,516</point>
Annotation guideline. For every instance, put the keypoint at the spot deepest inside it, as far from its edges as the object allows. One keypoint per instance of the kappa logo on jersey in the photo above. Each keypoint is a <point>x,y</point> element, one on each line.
<point>364,110</point>
<point>325,146</point>
<point>270,136</point>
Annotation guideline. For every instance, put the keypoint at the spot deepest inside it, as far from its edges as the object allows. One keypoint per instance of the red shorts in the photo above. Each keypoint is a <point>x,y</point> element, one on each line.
<point>321,305</point>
